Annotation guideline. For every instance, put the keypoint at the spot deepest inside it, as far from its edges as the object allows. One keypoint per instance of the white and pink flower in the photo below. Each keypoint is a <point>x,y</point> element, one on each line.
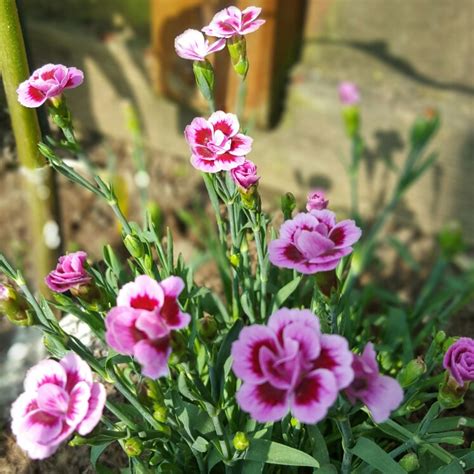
<point>380,393</point>
<point>216,143</point>
<point>313,242</point>
<point>59,399</point>
<point>191,44</point>
<point>289,365</point>
<point>47,82</point>
<point>141,323</point>
<point>232,21</point>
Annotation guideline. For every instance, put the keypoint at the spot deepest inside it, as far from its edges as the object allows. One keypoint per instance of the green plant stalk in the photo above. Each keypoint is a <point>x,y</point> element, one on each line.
<point>347,442</point>
<point>354,177</point>
<point>38,181</point>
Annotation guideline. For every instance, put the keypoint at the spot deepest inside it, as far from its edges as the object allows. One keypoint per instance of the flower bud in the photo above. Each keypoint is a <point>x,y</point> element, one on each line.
<point>250,198</point>
<point>411,372</point>
<point>410,462</point>
<point>240,441</point>
<point>133,447</point>
<point>15,307</point>
<point>134,246</point>
<point>237,47</point>
<point>440,337</point>
<point>424,128</point>
<point>451,394</point>
<point>204,75</point>
<point>351,118</point>
<point>88,293</point>
<point>288,205</point>
<point>448,343</point>
<point>295,423</point>
<point>160,413</point>
<point>207,328</point>
<point>234,260</point>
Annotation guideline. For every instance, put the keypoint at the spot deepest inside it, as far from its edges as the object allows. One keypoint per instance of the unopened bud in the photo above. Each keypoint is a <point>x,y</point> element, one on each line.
<point>411,372</point>
<point>160,413</point>
<point>351,116</point>
<point>424,128</point>
<point>15,307</point>
<point>234,260</point>
<point>207,328</point>
<point>295,423</point>
<point>250,198</point>
<point>410,462</point>
<point>204,75</point>
<point>237,47</point>
<point>451,394</point>
<point>440,337</point>
<point>288,205</point>
<point>133,447</point>
<point>88,293</point>
<point>240,441</point>
<point>448,343</point>
<point>134,246</point>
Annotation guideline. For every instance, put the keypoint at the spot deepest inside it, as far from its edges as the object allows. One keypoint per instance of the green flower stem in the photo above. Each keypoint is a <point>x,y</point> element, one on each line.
<point>38,182</point>
<point>220,432</point>
<point>347,442</point>
<point>241,96</point>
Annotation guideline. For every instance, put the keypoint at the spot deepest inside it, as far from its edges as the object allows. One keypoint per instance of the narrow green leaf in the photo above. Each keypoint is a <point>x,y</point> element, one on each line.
<point>284,293</point>
<point>376,457</point>
<point>96,452</point>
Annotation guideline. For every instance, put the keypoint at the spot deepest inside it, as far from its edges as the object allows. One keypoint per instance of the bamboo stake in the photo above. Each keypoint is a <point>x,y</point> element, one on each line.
<point>37,176</point>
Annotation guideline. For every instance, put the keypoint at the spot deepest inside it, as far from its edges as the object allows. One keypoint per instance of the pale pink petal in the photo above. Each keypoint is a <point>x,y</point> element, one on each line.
<point>144,293</point>
<point>28,96</point>
<point>207,166</point>
<point>246,352</point>
<point>75,77</point>
<point>325,216</point>
<point>227,123</point>
<point>251,27</point>
<point>284,317</point>
<point>47,371</point>
<point>218,45</point>
<point>249,14</point>
<point>153,357</point>
<point>384,395</point>
<point>302,220</point>
<point>76,370</point>
<point>151,325</point>
<point>190,45</point>
<point>227,162</point>
<point>52,399</point>
<point>336,357</point>
<point>264,402</point>
<point>308,338</point>
<point>24,404</point>
<point>170,311</point>
<point>278,372</point>
<point>94,412</point>
<point>36,451</point>
<point>78,404</point>
<point>121,334</point>
<point>314,396</point>
<point>345,233</point>
<point>284,254</point>
<point>39,426</point>
<point>312,244</point>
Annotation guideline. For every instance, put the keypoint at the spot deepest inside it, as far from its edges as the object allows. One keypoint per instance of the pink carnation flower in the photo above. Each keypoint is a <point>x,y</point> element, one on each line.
<point>232,21</point>
<point>349,93</point>
<point>59,398</point>
<point>316,200</point>
<point>245,175</point>
<point>381,394</point>
<point>289,365</point>
<point>313,242</point>
<point>193,45</point>
<point>216,144</point>
<point>141,323</point>
<point>69,273</point>
<point>459,360</point>
<point>47,82</point>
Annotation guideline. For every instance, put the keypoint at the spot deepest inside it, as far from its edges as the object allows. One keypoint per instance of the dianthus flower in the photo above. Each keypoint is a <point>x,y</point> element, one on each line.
<point>141,323</point>
<point>245,175</point>
<point>59,398</point>
<point>313,242</point>
<point>216,144</point>
<point>288,365</point>
<point>47,82</point>
<point>191,44</point>
<point>232,21</point>
<point>69,273</point>
<point>381,394</point>
<point>316,200</point>
<point>459,360</point>
<point>349,93</point>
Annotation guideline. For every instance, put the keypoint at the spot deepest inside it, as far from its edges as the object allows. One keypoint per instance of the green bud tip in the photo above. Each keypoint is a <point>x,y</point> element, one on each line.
<point>207,327</point>
<point>410,462</point>
<point>134,246</point>
<point>412,372</point>
<point>240,441</point>
<point>160,413</point>
<point>133,447</point>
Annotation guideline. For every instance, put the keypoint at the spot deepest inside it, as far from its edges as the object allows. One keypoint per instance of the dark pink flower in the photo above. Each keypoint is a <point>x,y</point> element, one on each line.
<point>69,273</point>
<point>349,93</point>
<point>245,175</point>
<point>459,360</point>
<point>231,22</point>
<point>59,398</point>
<point>289,366</point>
<point>313,242</point>
<point>192,45</point>
<point>47,82</point>
<point>381,394</point>
<point>216,144</point>
<point>141,323</point>
<point>316,200</point>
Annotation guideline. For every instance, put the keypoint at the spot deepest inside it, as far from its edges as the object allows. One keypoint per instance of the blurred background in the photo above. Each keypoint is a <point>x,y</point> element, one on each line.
<point>407,58</point>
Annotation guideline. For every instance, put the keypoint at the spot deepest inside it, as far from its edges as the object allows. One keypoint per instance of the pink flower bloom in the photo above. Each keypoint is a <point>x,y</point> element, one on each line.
<point>313,242</point>
<point>193,45</point>
<point>289,366</point>
<point>59,398</point>
<point>141,323</point>
<point>380,393</point>
<point>349,93</point>
<point>231,22</point>
<point>245,175</point>
<point>459,360</point>
<point>316,200</point>
<point>216,144</point>
<point>47,82</point>
<point>69,273</point>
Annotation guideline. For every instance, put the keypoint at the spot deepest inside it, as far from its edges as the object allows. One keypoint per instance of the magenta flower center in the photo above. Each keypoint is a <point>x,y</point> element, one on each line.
<point>144,301</point>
